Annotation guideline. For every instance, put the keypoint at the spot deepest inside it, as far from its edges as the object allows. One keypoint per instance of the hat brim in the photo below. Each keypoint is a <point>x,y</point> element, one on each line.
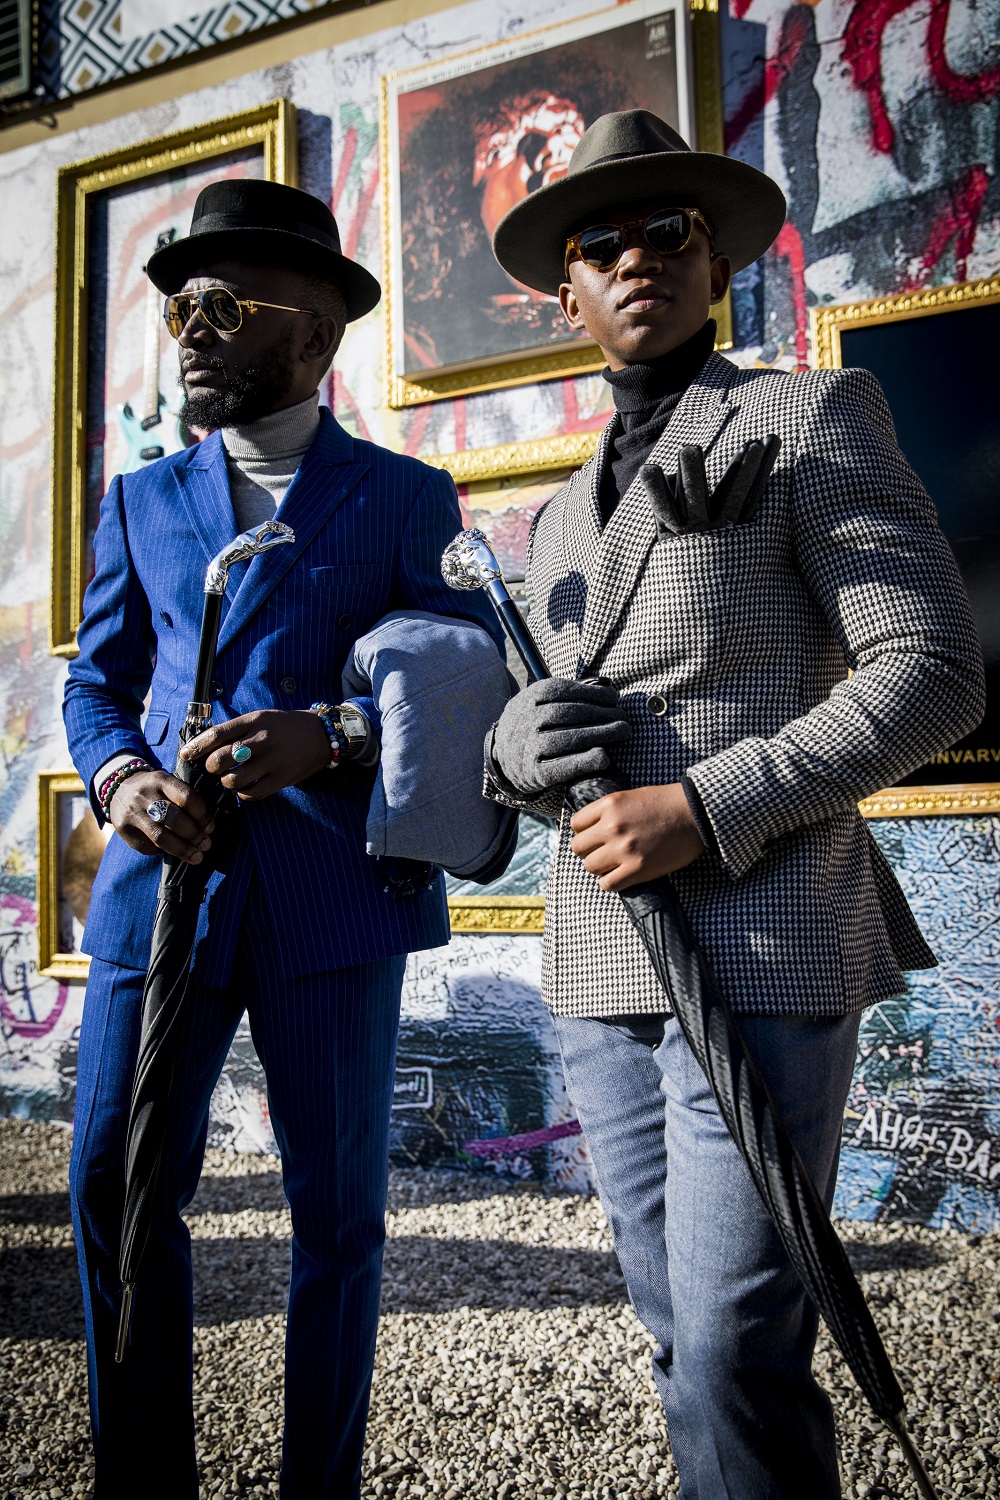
<point>745,208</point>
<point>169,268</point>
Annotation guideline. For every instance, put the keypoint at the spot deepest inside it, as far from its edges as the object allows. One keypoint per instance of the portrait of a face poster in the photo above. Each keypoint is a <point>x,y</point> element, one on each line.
<point>469,137</point>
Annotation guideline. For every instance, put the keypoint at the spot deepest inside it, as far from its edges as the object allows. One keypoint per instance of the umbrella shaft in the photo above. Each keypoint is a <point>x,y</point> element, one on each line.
<point>211,616</point>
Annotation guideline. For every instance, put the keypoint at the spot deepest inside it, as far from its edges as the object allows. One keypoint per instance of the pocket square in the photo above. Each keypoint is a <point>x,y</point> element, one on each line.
<point>682,502</point>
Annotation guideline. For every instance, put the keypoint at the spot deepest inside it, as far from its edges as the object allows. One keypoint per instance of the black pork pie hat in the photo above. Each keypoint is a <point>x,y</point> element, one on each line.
<point>629,158</point>
<point>266,223</point>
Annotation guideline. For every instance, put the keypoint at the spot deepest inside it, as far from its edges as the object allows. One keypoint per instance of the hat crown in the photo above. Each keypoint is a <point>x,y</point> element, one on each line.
<point>256,203</point>
<point>628,133</point>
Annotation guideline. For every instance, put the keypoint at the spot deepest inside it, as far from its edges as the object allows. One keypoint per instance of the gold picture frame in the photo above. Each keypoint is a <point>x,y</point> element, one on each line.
<point>828,327</point>
<point>269,128</point>
<point>700,104</point>
<point>68,854</point>
<point>520,915</point>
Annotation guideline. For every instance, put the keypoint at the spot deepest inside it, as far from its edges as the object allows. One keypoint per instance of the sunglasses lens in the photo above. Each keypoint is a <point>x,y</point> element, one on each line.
<point>221,309</point>
<point>176,312</point>
<point>668,233</point>
<point>602,246</point>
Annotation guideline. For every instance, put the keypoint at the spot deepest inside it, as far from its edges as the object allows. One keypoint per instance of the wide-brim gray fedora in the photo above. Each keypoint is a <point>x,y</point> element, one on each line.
<point>629,158</point>
<point>266,223</point>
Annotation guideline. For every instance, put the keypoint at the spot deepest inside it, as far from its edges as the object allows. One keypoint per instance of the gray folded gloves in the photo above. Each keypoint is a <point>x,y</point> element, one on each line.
<point>556,731</point>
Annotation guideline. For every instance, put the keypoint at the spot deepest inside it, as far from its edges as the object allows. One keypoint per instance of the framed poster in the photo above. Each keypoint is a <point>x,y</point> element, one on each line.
<point>116,375</point>
<point>933,352</point>
<point>465,139</point>
<point>70,846</point>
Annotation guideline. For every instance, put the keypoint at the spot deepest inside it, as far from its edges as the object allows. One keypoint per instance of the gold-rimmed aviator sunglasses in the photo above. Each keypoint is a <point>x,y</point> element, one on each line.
<point>667,232</point>
<point>221,309</point>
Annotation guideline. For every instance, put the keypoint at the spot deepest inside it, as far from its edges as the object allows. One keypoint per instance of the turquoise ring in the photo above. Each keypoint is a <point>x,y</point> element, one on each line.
<point>242,754</point>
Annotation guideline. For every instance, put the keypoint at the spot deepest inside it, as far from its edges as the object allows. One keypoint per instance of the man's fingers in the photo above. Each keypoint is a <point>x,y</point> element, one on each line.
<point>266,786</point>
<point>558,743</point>
<point>562,690</point>
<point>178,823</point>
<point>191,802</point>
<point>216,735</point>
<point>573,767</point>
<point>169,843</point>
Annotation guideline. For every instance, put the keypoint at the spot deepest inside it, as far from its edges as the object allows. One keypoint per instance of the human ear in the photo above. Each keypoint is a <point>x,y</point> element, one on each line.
<point>721,274</point>
<point>570,306</point>
<point>323,341</point>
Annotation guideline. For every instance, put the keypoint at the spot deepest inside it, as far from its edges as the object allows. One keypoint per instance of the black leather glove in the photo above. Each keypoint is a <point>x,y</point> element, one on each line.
<point>557,731</point>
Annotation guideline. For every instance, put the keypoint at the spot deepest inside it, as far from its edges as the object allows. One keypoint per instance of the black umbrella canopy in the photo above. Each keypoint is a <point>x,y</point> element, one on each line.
<point>174,929</point>
<point>744,1100</point>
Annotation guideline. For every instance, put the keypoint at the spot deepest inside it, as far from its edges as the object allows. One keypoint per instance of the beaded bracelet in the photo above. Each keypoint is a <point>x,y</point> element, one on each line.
<point>108,788</point>
<point>338,743</point>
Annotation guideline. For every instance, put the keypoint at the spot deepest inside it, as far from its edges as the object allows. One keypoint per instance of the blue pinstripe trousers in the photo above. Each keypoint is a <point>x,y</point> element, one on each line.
<point>327,1043</point>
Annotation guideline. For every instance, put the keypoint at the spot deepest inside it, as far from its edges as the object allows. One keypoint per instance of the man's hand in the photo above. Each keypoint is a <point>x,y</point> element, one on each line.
<point>557,731</point>
<point>632,836</point>
<point>285,748</point>
<point>185,831</point>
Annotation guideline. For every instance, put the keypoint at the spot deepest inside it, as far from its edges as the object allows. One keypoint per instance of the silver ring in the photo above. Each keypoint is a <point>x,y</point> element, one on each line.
<point>241,753</point>
<point>157,811</point>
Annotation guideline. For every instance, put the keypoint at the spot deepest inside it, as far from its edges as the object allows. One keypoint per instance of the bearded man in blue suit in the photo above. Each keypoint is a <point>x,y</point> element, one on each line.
<point>298,928</point>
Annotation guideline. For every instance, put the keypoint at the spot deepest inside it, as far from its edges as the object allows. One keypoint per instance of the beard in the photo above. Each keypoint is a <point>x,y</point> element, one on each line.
<point>248,394</point>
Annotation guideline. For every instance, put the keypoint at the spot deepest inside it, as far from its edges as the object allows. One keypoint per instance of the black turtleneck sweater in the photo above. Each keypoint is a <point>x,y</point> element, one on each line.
<point>645,398</point>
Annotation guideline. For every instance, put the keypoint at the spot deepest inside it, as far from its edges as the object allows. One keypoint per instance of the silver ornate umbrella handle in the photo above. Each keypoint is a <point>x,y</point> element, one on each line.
<point>469,563</point>
<point>247,544</point>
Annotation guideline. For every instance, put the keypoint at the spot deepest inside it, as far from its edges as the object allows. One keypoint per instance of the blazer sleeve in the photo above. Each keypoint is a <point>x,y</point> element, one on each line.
<point>109,680</point>
<point>433,522</point>
<point>869,547</point>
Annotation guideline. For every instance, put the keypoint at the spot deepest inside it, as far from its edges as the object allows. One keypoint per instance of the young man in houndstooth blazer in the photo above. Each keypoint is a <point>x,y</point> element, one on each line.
<point>720,648</point>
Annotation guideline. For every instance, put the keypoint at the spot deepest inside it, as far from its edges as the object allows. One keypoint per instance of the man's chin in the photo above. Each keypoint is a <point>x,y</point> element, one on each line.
<point>224,406</point>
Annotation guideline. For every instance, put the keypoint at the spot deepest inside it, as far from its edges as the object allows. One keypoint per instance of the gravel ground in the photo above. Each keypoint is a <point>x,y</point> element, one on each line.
<point>510,1365</point>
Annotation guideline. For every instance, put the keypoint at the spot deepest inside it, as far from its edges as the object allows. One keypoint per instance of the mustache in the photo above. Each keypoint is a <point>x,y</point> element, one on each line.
<point>201,362</point>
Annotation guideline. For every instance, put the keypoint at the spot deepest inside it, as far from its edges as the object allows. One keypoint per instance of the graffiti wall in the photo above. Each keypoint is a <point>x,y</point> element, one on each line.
<point>880,120</point>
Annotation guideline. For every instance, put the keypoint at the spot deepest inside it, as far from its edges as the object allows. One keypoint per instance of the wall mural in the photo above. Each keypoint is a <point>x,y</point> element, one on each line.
<point>880,119</point>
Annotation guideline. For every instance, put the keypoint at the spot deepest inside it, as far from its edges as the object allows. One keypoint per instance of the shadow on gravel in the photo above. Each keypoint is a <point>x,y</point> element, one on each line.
<point>236,1279</point>
<point>35,1208</point>
<point>904,1255</point>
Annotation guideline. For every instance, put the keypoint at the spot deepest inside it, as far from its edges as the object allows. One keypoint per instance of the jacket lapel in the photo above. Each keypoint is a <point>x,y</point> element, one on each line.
<point>204,486</point>
<point>631,533</point>
<point>322,482</point>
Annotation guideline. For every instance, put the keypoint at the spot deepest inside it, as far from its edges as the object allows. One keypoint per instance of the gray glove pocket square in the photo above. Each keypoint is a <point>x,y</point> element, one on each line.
<point>681,502</point>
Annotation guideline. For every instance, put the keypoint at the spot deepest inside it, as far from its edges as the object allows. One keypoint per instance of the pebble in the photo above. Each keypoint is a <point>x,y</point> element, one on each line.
<point>510,1365</point>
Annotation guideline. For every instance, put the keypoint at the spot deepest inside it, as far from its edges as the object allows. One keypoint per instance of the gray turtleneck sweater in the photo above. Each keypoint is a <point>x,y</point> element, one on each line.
<point>261,458</point>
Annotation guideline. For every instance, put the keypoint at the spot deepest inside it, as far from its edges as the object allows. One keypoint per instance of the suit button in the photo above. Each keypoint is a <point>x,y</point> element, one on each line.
<point>288,684</point>
<point>218,689</point>
<point>657,704</point>
<point>343,621</point>
<point>168,622</point>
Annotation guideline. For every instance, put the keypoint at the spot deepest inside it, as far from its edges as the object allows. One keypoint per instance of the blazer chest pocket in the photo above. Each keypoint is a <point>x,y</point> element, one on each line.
<point>350,596</point>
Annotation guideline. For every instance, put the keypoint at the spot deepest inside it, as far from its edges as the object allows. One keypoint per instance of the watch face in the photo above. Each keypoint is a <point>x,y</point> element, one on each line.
<point>354,724</point>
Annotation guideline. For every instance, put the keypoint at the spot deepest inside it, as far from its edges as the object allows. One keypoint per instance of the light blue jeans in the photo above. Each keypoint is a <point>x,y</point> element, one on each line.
<point>705,1269</point>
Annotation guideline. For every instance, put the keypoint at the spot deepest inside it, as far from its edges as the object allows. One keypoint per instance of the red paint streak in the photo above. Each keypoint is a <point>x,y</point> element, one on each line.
<point>863,55</point>
<point>958,222</point>
<point>460,437</point>
<point>863,38</point>
<point>361,213</point>
<point>739,8</point>
<point>343,400</point>
<point>960,88</point>
<point>346,163</point>
<point>776,70</point>
<point>788,246</point>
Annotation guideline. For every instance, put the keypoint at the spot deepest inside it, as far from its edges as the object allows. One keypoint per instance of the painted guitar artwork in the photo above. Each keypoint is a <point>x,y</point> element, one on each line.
<point>135,429</point>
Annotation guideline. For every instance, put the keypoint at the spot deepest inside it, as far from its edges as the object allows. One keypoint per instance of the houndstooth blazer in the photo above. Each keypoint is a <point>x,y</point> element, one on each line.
<point>730,649</point>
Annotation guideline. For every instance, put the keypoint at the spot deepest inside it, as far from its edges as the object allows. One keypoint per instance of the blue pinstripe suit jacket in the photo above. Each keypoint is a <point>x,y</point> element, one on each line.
<point>370,527</point>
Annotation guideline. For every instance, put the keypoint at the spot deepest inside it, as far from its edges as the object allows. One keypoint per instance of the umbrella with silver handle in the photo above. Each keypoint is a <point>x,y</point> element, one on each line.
<point>744,1100</point>
<point>181,889</point>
